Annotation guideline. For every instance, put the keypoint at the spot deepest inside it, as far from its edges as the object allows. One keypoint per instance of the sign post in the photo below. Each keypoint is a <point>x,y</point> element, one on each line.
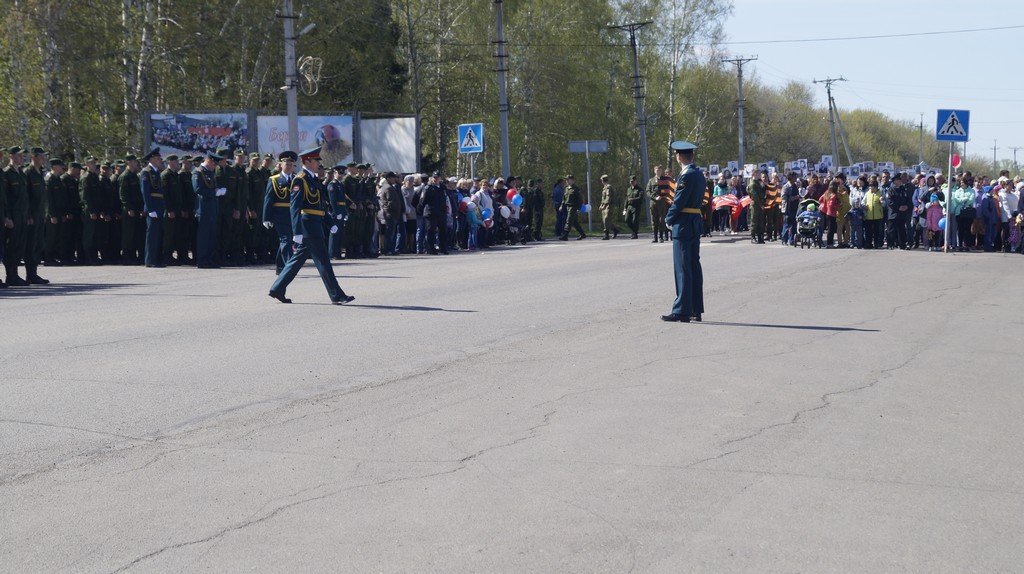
<point>471,141</point>
<point>588,147</point>
<point>951,126</point>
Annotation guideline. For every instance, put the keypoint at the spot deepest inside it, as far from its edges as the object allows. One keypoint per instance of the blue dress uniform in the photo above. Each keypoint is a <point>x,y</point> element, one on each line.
<point>277,211</point>
<point>205,186</point>
<point>339,211</point>
<point>687,225</point>
<point>308,197</point>
<point>153,200</point>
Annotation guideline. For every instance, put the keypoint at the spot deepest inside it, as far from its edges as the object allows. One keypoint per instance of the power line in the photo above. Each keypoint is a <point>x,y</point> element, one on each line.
<point>752,42</point>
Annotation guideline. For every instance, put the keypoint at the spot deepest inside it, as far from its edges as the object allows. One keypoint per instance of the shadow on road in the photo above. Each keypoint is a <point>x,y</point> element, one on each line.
<point>795,327</point>
<point>401,308</point>
<point>60,289</point>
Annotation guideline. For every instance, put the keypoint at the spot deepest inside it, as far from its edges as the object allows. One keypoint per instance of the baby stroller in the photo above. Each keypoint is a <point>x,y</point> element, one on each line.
<point>808,225</point>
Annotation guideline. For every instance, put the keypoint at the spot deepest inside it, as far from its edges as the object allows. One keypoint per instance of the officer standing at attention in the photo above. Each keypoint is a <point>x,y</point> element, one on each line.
<point>277,208</point>
<point>571,203</point>
<point>686,223</point>
<point>92,207</point>
<point>308,199</point>
<point>338,210</point>
<point>757,197</point>
<point>154,206</point>
<point>131,197</point>
<point>204,183</point>
<point>36,239</point>
<point>634,202</point>
<point>173,230</point>
<point>55,215</point>
<point>607,209</point>
<point>15,220</point>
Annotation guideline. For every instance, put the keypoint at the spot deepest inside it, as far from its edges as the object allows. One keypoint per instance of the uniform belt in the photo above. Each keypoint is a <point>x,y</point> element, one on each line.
<point>160,195</point>
<point>282,204</point>
<point>342,203</point>
<point>313,212</point>
<point>690,210</point>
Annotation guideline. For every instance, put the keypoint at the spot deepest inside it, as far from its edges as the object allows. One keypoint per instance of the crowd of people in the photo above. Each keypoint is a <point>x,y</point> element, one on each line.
<point>94,212</point>
<point>893,211</point>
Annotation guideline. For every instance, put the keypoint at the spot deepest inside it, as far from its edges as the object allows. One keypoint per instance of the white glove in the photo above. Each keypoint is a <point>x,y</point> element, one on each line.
<point>268,224</point>
<point>334,229</point>
<point>153,214</point>
<point>297,239</point>
<point>339,217</point>
<point>222,191</point>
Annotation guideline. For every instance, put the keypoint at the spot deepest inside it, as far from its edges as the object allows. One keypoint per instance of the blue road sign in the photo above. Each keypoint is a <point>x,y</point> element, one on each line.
<point>952,125</point>
<point>471,138</point>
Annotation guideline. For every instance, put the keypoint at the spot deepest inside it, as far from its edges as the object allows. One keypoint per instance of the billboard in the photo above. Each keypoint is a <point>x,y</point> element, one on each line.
<point>194,134</point>
<point>332,133</point>
<point>389,144</point>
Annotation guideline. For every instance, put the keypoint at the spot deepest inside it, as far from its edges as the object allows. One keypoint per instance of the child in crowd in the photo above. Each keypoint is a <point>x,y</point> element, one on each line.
<point>933,213</point>
<point>473,220</point>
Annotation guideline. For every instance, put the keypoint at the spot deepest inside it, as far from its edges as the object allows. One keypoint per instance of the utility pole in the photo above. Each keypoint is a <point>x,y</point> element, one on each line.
<point>1016,169</point>
<point>739,114</point>
<point>831,115</point>
<point>638,94</point>
<point>995,162</point>
<point>920,153</point>
<point>291,81</point>
<point>506,164</point>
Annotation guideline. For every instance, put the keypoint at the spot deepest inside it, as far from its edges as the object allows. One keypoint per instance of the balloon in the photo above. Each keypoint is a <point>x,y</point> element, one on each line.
<point>470,206</point>
<point>505,211</point>
<point>956,160</point>
<point>486,213</point>
<point>942,224</point>
<point>517,200</point>
<point>488,223</point>
<point>511,193</point>
<point>463,206</point>
<point>585,208</point>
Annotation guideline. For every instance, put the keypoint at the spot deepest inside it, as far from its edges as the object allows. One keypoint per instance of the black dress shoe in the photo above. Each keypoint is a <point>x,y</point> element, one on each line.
<point>280,297</point>
<point>2,284</point>
<point>675,318</point>
<point>344,299</point>
<point>696,318</point>
<point>37,280</point>
<point>582,236</point>
<point>156,266</point>
<point>563,238</point>
<point>615,233</point>
<point>16,281</point>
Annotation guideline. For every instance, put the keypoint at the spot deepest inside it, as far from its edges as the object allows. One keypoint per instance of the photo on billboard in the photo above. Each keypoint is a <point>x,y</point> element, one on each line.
<point>389,144</point>
<point>332,133</point>
<point>194,134</point>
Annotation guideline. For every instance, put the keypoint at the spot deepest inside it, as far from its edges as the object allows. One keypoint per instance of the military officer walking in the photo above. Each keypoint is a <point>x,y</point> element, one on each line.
<point>686,223</point>
<point>277,208</point>
<point>634,203</point>
<point>154,207</point>
<point>608,208</point>
<point>308,199</point>
<point>571,203</point>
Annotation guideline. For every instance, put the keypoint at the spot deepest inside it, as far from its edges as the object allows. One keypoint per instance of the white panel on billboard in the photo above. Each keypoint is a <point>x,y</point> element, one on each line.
<point>194,134</point>
<point>389,144</point>
<point>332,133</point>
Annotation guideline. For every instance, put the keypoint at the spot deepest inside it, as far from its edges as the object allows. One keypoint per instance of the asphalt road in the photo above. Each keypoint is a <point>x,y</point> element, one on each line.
<point>520,410</point>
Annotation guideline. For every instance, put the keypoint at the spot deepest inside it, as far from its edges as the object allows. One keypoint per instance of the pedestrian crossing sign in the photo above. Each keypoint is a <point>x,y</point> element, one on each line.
<point>471,138</point>
<point>952,125</point>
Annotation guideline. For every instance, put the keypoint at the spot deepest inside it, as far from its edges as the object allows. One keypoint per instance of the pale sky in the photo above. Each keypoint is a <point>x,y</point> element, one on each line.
<point>900,77</point>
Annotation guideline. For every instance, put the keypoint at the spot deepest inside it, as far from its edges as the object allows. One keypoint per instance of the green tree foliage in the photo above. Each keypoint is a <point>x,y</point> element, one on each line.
<point>81,74</point>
